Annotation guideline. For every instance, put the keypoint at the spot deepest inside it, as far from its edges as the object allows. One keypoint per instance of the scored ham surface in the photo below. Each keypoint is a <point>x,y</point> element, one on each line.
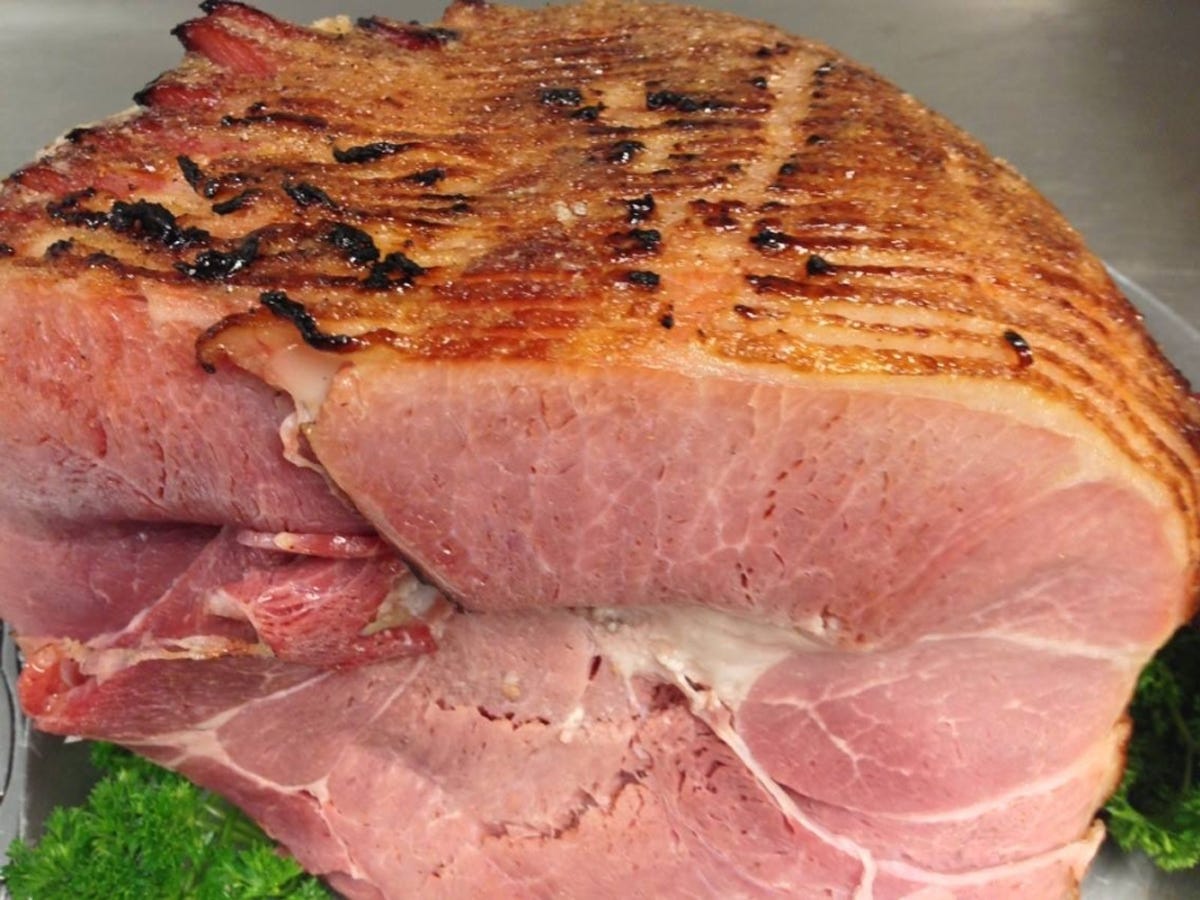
<point>612,450</point>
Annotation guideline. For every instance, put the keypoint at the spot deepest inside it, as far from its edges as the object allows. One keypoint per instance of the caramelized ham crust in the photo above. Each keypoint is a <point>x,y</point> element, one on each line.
<point>639,445</point>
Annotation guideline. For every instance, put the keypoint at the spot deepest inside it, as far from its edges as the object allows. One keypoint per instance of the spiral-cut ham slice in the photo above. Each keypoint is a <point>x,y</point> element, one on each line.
<point>639,452</point>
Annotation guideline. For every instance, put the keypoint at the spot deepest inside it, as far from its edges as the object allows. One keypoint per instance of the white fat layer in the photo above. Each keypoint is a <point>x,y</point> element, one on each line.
<point>723,653</point>
<point>289,435</point>
<point>408,599</point>
<point>572,725</point>
<point>307,376</point>
<point>219,602</point>
<point>715,658</point>
<point>104,663</point>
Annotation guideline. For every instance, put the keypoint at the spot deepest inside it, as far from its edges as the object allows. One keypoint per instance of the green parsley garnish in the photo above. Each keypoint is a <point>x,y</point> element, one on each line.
<point>1157,807</point>
<point>146,832</point>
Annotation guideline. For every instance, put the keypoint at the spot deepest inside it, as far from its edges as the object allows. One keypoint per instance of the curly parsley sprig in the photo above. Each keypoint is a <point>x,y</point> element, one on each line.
<point>1157,807</point>
<point>146,832</point>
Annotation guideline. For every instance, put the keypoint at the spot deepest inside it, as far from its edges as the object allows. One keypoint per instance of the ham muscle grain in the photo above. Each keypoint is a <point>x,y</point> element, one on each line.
<point>610,450</point>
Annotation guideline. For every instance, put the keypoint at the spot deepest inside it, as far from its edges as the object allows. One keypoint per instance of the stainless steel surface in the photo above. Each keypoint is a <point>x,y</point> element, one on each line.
<point>1095,101</point>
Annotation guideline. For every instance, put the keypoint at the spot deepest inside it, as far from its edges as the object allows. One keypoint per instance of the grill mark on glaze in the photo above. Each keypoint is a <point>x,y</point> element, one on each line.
<point>304,194</point>
<point>369,153</point>
<point>283,307</point>
<point>233,204</point>
<point>214,265</point>
<point>280,117</point>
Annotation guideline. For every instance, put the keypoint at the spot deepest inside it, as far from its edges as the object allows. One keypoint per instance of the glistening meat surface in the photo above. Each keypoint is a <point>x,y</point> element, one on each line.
<point>628,470</point>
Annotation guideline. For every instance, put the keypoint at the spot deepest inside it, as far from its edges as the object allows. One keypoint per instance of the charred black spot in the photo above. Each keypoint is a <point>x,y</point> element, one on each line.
<point>75,135</point>
<point>561,96</point>
<point>281,117</point>
<point>588,113</point>
<point>71,200</point>
<point>283,306</point>
<point>441,35</point>
<point>824,69</point>
<point>643,278</point>
<point>305,194</point>
<point>411,36</point>
<point>788,168</point>
<point>667,320</point>
<point>780,49</point>
<point>233,204</point>
<point>813,139</point>
<point>145,97</point>
<point>369,152</point>
<point>759,82</point>
<point>640,209</point>
<point>213,265</point>
<point>154,222</point>
<point>384,273</point>
<point>1021,346</point>
<point>682,102</point>
<point>67,210</point>
<point>192,173</point>
<point>817,265</point>
<point>623,152</point>
<point>183,33</point>
<point>635,242</point>
<point>6,250</point>
<point>59,248</point>
<point>426,177</point>
<point>358,246</point>
<point>770,239</point>
<point>647,238</point>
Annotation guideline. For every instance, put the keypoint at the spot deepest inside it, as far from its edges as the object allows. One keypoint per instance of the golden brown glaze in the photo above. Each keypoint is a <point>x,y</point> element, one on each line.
<point>610,181</point>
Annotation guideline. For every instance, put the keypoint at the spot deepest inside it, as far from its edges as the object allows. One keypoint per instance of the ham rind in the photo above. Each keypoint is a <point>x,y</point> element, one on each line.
<point>633,471</point>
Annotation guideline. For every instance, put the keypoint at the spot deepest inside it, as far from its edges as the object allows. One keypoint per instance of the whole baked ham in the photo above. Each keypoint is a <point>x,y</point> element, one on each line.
<point>611,450</point>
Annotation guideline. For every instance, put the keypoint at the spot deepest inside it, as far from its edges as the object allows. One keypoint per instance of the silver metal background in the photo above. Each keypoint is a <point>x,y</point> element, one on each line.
<point>1095,101</point>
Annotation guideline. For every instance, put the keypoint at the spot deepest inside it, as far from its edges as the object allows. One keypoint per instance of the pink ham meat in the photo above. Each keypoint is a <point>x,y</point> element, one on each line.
<point>627,470</point>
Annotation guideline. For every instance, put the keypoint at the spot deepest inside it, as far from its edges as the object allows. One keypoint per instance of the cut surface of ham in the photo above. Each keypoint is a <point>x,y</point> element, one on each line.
<point>617,449</point>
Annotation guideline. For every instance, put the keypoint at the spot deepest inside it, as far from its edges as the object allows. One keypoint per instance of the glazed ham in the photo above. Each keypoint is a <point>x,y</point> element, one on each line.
<point>616,449</point>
